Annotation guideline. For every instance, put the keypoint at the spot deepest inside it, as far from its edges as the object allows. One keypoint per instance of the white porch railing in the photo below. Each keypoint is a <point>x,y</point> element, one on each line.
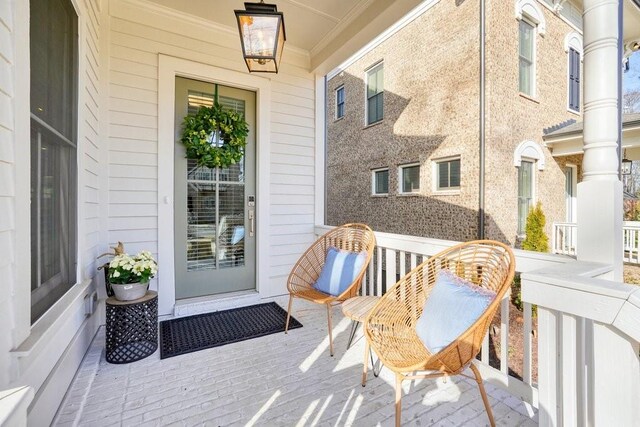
<point>398,254</point>
<point>13,406</point>
<point>564,240</point>
<point>588,346</point>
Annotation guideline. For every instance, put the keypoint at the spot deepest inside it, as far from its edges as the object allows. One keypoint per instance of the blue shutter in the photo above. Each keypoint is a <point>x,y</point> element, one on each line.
<point>574,80</point>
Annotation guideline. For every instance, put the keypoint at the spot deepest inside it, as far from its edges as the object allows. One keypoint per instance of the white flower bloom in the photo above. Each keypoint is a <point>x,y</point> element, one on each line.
<point>116,273</point>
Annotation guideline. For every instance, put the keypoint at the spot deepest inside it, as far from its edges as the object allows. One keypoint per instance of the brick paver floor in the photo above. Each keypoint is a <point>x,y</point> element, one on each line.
<point>277,380</point>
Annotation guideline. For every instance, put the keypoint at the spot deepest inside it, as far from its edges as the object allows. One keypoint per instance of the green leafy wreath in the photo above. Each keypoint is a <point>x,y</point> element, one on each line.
<point>215,137</point>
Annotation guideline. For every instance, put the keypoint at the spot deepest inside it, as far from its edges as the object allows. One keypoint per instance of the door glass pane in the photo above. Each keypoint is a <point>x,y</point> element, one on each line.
<point>201,224</point>
<point>230,238</point>
<point>215,203</point>
<point>525,193</point>
<point>568,191</point>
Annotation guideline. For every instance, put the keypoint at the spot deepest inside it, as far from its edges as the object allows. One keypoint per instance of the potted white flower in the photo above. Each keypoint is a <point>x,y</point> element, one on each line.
<point>129,275</point>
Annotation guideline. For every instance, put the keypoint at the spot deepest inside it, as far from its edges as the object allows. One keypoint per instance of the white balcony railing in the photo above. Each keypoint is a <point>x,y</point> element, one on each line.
<point>588,346</point>
<point>565,239</point>
<point>397,254</point>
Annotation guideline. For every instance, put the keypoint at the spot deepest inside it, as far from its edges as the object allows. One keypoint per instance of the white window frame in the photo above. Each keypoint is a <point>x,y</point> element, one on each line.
<point>534,195</point>
<point>435,173</point>
<point>574,41</point>
<point>401,178</point>
<point>530,12</point>
<point>366,90</point>
<point>534,60</point>
<point>344,99</point>
<point>373,181</point>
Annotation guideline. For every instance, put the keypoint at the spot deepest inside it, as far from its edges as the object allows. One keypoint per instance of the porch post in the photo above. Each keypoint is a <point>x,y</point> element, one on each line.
<point>600,194</point>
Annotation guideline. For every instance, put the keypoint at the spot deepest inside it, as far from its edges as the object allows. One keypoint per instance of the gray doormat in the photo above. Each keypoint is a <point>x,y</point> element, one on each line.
<point>193,333</point>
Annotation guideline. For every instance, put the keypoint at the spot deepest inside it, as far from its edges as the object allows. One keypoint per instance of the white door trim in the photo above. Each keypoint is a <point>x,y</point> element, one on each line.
<point>168,68</point>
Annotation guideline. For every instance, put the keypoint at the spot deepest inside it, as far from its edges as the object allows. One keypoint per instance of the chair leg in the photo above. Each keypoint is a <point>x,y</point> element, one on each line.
<point>485,399</point>
<point>330,329</point>
<point>352,334</point>
<point>399,378</point>
<point>286,326</point>
<point>377,365</point>
<point>365,365</point>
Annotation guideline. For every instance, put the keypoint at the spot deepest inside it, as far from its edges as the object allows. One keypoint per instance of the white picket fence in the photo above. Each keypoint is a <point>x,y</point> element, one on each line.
<point>565,240</point>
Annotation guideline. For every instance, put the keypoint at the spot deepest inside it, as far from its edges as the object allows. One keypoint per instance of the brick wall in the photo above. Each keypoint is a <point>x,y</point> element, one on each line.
<point>431,111</point>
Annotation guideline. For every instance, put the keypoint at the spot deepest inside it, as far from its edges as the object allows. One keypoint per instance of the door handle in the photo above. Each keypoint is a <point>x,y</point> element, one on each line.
<point>251,222</point>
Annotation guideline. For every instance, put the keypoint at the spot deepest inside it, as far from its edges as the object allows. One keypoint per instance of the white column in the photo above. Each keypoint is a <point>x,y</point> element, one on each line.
<point>600,194</point>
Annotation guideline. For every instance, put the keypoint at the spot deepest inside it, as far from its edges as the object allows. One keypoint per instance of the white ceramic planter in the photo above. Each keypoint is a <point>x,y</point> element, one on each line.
<point>130,291</point>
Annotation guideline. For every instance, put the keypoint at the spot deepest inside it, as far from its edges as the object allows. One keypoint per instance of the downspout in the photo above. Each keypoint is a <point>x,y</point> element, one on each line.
<point>483,37</point>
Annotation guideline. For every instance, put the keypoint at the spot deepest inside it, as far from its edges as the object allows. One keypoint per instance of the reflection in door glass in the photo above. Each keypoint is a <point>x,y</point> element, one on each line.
<point>215,205</point>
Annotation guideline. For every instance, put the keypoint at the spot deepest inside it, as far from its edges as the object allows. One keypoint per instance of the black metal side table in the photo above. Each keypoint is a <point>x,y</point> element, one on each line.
<point>132,328</point>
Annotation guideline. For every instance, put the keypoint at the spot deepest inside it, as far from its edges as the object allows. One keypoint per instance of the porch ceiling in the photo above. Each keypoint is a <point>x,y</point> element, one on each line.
<point>328,31</point>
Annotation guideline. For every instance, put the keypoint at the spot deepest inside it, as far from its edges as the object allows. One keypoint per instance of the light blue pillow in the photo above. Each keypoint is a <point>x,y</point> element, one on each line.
<point>452,307</point>
<point>339,271</point>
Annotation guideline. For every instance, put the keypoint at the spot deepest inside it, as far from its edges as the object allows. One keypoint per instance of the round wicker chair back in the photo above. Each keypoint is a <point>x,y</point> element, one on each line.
<point>390,326</point>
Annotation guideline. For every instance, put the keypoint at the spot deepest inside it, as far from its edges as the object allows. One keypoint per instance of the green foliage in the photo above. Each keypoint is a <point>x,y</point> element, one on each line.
<point>516,296</point>
<point>536,239</point>
<point>231,129</point>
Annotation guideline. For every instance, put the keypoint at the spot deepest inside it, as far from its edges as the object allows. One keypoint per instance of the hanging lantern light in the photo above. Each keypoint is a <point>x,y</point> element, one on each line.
<point>626,165</point>
<point>262,36</point>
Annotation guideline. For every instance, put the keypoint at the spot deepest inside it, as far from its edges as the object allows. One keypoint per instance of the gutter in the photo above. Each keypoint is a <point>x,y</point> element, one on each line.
<point>481,180</point>
<point>635,124</point>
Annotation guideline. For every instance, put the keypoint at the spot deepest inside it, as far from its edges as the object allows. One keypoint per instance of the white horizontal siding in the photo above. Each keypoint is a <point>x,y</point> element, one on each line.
<point>90,144</point>
<point>136,39</point>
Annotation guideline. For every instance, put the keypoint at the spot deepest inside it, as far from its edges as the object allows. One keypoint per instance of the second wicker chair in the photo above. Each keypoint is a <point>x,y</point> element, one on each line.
<point>305,273</point>
<point>390,327</point>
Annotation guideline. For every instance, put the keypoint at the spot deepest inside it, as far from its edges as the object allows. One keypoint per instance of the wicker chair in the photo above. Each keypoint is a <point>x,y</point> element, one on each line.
<point>390,326</point>
<point>351,237</point>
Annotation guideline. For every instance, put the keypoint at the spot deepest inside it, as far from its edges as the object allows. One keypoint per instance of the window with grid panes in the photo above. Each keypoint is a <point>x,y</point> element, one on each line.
<point>375,94</point>
<point>381,181</point>
<point>340,102</point>
<point>448,174</point>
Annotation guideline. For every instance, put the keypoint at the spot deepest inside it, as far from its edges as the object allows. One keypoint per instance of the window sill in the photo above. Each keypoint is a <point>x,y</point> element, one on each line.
<point>380,195</point>
<point>577,113</point>
<point>529,97</point>
<point>46,327</point>
<point>446,193</point>
<point>416,194</point>
<point>373,124</point>
<point>338,119</point>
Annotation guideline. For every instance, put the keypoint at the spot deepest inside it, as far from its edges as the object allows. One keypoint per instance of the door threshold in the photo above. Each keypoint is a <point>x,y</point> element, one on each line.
<point>211,303</point>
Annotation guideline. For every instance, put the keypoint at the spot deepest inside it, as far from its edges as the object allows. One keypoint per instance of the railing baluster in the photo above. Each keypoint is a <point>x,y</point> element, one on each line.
<point>403,263</point>
<point>414,260</point>
<point>378,290</point>
<point>569,370</point>
<point>390,258</point>
<point>527,341</point>
<point>504,334</point>
<point>371,275</point>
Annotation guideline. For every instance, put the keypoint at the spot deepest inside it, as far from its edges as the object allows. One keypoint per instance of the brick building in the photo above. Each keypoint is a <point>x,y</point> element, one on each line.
<point>403,121</point>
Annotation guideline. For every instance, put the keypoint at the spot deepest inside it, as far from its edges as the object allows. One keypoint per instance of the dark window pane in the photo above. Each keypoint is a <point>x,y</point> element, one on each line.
<point>454,173</point>
<point>53,63</point>
<point>382,182</point>
<point>411,179</point>
<point>375,94</point>
<point>53,51</point>
<point>443,175</point>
